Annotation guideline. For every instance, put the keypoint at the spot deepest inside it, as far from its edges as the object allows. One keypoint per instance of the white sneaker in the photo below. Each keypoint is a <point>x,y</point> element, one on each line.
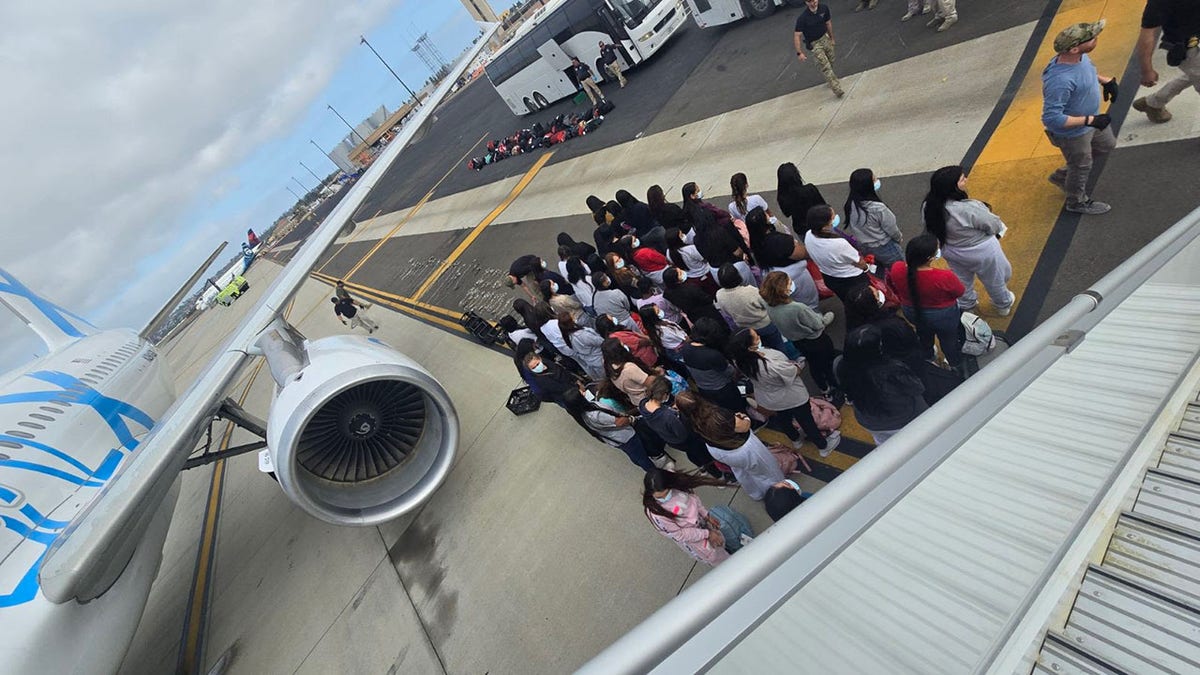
<point>833,440</point>
<point>827,318</point>
<point>907,16</point>
<point>746,539</point>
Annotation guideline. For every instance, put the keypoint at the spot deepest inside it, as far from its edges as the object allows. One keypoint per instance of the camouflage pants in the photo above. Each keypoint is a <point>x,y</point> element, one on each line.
<point>822,51</point>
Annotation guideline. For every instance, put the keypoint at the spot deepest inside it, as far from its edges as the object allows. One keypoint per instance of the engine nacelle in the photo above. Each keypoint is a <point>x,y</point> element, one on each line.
<point>361,434</point>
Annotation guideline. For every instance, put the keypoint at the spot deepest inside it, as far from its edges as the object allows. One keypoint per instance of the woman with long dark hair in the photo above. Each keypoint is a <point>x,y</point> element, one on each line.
<point>686,257</point>
<point>887,394</point>
<point>716,238</point>
<point>778,251</point>
<point>779,389</point>
<point>608,426</point>
<point>670,502</point>
<point>929,297</point>
<point>704,356</point>
<point>747,308</point>
<point>641,221</point>
<point>611,300</point>
<point>635,342</point>
<point>585,342</point>
<point>870,221</point>
<point>731,442</point>
<point>970,237</point>
<point>625,371</point>
<point>666,213</point>
<point>667,337</point>
<point>842,266</point>
<point>562,303</point>
<point>690,296</point>
<point>579,276</point>
<point>744,202</point>
<point>660,415</point>
<point>795,197</point>
<point>648,259</point>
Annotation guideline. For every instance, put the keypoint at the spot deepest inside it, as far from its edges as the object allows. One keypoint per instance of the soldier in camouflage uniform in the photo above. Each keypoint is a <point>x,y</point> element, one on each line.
<point>814,28</point>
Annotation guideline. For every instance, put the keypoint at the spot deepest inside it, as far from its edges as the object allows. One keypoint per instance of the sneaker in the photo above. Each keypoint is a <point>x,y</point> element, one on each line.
<point>1090,207</point>
<point>827,318</point>
<point>926,10</point>
<point>934,21</point>
<point>907,16</point>
<point>861,6</point>
<point>1156,115</point>
<point>872,3</point>
<point>833,440</point>
<point>946,24</point>
<point>839,92</point>
<point>1059,181</point>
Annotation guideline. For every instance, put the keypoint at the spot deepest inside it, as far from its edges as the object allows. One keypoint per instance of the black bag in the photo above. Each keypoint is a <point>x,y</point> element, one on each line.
<point>605,106</point>
<point>481,329</point>
<point>938,381</point>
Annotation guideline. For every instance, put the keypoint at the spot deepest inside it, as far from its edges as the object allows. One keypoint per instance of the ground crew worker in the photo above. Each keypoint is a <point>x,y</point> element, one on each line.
<point>584,75</point>
<point>814,27</point>
<point>608,54</point>
<point>1180,24</point>
<point>1071,97</point>
<point>350,309</point>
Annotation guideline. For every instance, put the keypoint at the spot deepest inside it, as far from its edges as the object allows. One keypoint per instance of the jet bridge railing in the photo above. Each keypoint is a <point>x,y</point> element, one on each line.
<point>701,624</point>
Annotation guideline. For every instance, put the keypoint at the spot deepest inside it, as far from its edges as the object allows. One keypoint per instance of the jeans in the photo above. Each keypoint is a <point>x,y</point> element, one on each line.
<point>945,323</point>
<point>885,255</point>
<point>781,421</point>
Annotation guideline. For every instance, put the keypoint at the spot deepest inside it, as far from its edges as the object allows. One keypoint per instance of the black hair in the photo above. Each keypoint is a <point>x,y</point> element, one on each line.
<point>333,300</point>
<point>650,324</point>
<point>657,480</point>
<point>729,276</point>
<point>862,189</point>
<point>576,406</point>
<point>817,218</point>
<point>943,187</point>
<point>577,272</point>
<point>616,356</point>
<point>709,333</point>
<point>789,187</point>
<point>625,199</point>
<point>920,250</point>
<point>739,184</point>
<point>655,198</point>
<point>860,368</point>
<point>758,227</point>
<point>605,325</point>
<point>544,287</point>
<point>747,360</point>
<point>693,213</point>
<point>674,237</point>
<point>779,501</point>
<point>598,279</point>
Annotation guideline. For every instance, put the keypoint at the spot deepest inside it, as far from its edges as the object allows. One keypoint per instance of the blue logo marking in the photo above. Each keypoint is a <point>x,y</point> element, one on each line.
<point>56,314</point>
<point>39,528</point>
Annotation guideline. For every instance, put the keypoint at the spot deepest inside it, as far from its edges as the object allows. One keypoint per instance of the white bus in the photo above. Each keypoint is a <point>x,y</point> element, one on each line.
<point>534,69</point>
<point>709,13</point>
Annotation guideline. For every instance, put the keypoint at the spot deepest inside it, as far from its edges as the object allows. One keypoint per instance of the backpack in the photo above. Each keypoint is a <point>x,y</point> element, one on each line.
<point>978,338</point>
<point>826,415</point>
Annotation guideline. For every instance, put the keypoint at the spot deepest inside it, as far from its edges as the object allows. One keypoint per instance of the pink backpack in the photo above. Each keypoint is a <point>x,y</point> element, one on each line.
<point>828,417</point>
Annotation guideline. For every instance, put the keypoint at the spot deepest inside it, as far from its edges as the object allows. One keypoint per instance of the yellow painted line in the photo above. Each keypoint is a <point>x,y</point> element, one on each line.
<point>189,661</point>
<point>1011,172</point>
<point>487,220</point>
<point>835,459</point>
<point>357,233</point>
<point>453,314</point>
<point>413,211</point>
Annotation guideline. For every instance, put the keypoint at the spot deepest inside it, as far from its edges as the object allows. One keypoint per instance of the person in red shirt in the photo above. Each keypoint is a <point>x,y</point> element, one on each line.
<point>929,297</point>
<point>637,344</point>
<point>649,261</point>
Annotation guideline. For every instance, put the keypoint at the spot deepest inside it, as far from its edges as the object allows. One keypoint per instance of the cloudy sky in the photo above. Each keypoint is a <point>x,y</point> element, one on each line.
<point>139,135</point>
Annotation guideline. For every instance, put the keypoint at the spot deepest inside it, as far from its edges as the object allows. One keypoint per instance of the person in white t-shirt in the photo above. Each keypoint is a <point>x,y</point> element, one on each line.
<point>743,203</point>
<point>841,265</point>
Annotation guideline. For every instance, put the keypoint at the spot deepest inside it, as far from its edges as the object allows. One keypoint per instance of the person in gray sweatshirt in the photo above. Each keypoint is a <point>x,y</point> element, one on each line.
<point>871,222</point>
<point>969,234</point>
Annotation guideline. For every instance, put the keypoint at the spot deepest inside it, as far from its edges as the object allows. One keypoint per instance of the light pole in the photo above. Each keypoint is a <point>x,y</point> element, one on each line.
<point>363,40</point>
<point>328,155</point>
<point>300,184</point>
<point>298,197</point>
<point>314,175</point>
<point>352,129</point>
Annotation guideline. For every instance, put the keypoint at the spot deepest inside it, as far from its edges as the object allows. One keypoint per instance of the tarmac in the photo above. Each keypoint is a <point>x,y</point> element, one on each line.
<point>535,554</point>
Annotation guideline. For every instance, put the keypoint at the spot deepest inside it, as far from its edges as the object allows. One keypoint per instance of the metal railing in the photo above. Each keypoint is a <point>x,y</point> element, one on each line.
<point>714,614</point>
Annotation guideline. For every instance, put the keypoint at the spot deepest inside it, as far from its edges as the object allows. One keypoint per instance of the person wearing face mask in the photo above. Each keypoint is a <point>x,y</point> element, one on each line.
<point>670,503</point>
<point>730,441</point>
<point>887,393</point>
<point>717,239</point>
<point>782,498</point>
<point>660,416</point>
<point>795,197</point>
<point>778,251</point>
<point>689,296</point>
<point>626,371</point>
<point>624,275</point>
<point>666,336</point>
<point>900,341</point>
<point>804,328</point>
<point>634,341</point>
<point>969,234</point>
<point>650,261</point>
<point>779,389</point>
<point>639,218</point>
<point>549,378</point>
<point>651,294</point>
<point>929,297</point>
<point>871,222</point>
<point>562,303</point>
<point>612,301</point>
<point>842,266</point>
<point>585,343</point>
<point>747,308</point>
<point>686,256</point>
<point>608,426</point>
<point>743,203</point>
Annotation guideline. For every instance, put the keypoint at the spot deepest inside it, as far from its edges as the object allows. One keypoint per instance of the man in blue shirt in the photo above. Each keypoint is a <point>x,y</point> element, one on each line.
<point>1071,96</point>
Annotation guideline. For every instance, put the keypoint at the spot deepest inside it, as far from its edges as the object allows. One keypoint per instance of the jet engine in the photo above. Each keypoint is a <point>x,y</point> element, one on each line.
<point>358,433</point>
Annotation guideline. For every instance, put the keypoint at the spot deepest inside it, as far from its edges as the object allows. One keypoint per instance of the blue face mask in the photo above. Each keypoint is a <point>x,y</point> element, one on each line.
<point>620,264</point>
<point>878,184</point>
<point>837,220</point>
<point>636,243</point>
<point>663,500</point>
<point>539,368</point>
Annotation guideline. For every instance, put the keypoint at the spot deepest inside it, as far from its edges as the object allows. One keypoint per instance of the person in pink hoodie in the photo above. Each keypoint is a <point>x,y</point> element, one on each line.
<point>676,512</point>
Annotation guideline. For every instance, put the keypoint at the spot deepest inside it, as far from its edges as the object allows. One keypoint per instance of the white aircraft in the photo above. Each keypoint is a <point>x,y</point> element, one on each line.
<point>93,440</point>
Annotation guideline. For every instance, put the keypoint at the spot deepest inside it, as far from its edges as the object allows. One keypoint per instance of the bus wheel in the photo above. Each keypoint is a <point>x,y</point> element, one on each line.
<point>540,100</point>
<point>759,8</point>
<point>529,106</point>
<point>796,3</point>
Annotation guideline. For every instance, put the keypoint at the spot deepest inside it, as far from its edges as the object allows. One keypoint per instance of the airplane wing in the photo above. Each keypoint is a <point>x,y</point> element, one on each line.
<point>56,326</point>
<point>79,565</point>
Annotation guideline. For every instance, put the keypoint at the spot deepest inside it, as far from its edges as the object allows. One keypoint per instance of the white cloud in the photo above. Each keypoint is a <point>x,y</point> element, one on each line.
<point>120,115</point>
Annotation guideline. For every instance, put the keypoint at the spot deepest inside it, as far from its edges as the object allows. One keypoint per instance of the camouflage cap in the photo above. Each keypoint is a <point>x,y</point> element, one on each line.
<point>1077,34</point>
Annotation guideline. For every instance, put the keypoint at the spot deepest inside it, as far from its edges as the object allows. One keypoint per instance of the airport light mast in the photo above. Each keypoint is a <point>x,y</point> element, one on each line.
<point>348,126</point>
<point>363,40</point>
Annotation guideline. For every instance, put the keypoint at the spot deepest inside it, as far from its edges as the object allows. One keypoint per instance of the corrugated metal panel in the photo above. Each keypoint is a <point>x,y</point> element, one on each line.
<point>1171,499</point>
<point>1058,657</point>
<point>929,585</point>
<point>1162,560</point>
<point>1132,628</point>
<point>1182,457</point>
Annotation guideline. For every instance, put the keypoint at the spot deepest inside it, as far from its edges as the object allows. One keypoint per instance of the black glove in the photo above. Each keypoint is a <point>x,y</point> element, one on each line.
<point>1100,122</point>
<point>1110,90</point>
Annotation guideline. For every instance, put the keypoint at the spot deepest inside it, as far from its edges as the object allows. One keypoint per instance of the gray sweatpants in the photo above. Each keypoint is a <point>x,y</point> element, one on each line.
<point>1190,78</point>
<point>987,261</point>
<point>1080,152</point>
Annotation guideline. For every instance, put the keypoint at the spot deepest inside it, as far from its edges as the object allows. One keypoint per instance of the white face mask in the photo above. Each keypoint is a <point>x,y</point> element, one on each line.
<point>553,287</point>
<point>791,288</point>
<point>878,184</point>
<point>879,296</point>
<point>937,254</point>
<point>636,242</point>
<point>543,264</point>
<point>589,395</point>
<point>837,220</point>
<point>773,220</point>
<point>539,368</point>
<point>627,348</point>
<point>757,348</point>
<point>699,194</point>
<point>620,264</point>
<point>661,315</point>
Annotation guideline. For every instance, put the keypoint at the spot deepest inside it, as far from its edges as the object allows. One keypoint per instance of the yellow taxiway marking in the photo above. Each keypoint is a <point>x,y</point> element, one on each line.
<point>351,240</point>
<point>416,304</point>
<point>487,220</point>
<point>1011,172</point>
<point>190,659</point>
<point>411,212</point>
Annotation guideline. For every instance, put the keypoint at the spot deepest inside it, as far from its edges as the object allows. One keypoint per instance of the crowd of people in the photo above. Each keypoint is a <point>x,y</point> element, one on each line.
<point>686,327</point>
